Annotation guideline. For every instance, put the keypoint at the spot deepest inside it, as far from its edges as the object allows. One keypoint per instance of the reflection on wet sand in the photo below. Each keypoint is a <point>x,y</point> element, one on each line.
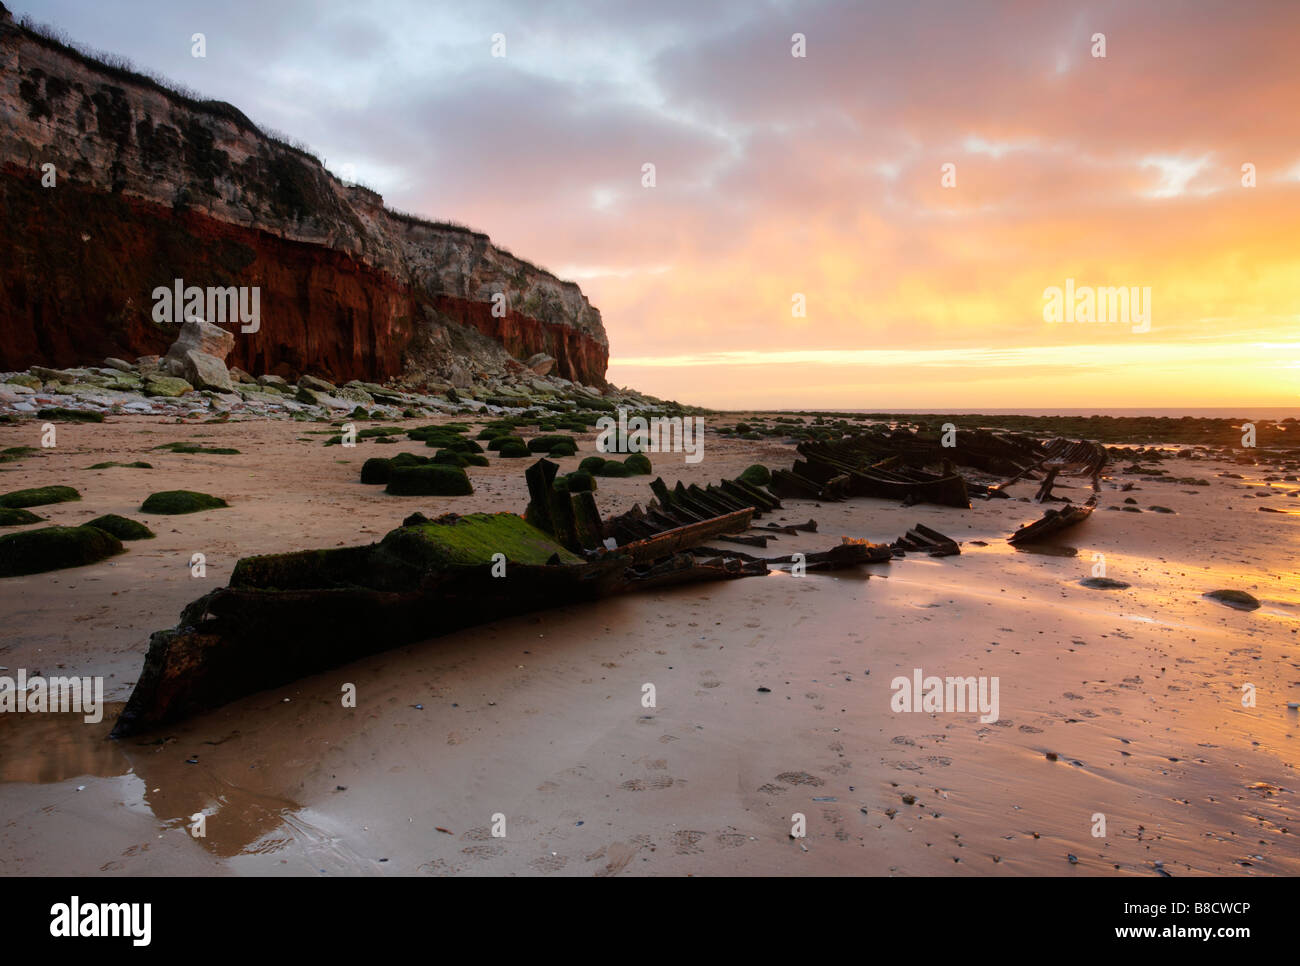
<point>49,748</point>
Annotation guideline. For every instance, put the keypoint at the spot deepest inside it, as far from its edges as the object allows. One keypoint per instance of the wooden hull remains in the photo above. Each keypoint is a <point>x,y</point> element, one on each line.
<point>1052,522</point>
<point>912,468</point>
<point>284,616</point>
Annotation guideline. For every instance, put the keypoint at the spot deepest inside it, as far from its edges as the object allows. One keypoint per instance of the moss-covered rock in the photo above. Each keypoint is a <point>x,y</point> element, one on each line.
<point>472,540</point>
<point>591,464</point>
<point>638,464</point>
<point>24,379</point>
<point>121,527</point>
<point>376,470</point>
<point>449,457</point>
<point>10,517</point>
<point>496,444</point>
<point>184,447</point>
<point>577,482</point>
<point>409,459</point>
<point>434,479</point>
<point>54,548</point>
<point>168,386</point>
<point>12,454</point>
<point>756,475</point>
<point>69,415</point>
<point>181,501</point>
<point>137,465</point>
<point>566,448</point>
<point>546,444</point>
<point>612,468</point>
<point>513,449</point>
<point>39,496</point>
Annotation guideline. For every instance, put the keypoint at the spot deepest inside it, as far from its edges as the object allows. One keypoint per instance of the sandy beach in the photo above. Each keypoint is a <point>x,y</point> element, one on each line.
<point>773,694</point>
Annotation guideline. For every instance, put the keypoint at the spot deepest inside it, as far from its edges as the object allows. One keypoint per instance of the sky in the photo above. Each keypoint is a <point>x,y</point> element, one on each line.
<point>818,182</point>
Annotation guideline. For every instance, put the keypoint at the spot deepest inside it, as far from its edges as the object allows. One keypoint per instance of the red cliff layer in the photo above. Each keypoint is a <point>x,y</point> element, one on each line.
<point>153,186</point>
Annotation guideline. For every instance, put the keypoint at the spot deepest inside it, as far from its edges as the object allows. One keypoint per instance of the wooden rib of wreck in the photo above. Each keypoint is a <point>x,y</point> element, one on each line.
<point>1053,521</point>
<point>915,468</point>
<point>923,539</point>
<point>889,478</point>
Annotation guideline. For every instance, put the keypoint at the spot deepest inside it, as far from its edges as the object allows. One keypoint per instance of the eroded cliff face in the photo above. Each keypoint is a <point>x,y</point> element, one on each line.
<point>151,186</point>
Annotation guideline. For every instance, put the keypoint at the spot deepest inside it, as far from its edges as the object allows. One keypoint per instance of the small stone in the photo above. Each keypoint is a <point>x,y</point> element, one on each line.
<point>1238,599</point>
<point>1104,583</point>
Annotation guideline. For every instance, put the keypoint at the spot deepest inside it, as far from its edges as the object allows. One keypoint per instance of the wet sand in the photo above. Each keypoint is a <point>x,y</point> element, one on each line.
<point>1136,693</point>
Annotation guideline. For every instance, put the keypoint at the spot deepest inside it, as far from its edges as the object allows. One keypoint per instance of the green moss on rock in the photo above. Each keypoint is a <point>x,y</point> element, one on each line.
<point>449,457</point>
<point>121,527</point>
<point>591,464</point>
<point>14,453</point>
<point>638,464</point>
<point>376,470</point>
<point>409,459</point>
<point>472,540</point>
<point>513,449</point>
<point>578,482</point>
<point>434,479</point>
<point>54,548</point>
<point>757,475</point>
<point>546,444</point>
<point>17,518</point>
<point>39,496</point>
<point>137,465</point>
<point>183,447</point>
<point>181,501</point>
<point>70,415</point>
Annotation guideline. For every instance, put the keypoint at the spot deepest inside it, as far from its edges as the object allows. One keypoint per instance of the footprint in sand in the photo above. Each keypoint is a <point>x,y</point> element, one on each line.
<point>619,856</point>
<point>686,842</point>
<point>438,867</point>
<point>482,851</point>
<point>799,778</point>
<point>730,840</point>
<point>549,863</point>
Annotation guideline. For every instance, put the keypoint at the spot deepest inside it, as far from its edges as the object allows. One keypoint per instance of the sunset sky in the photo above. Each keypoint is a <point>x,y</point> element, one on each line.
<point>820,175</point>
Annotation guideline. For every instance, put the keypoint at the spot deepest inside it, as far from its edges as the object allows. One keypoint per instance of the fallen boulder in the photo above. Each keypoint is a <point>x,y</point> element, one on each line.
<point>203,371</point>
<point>196,335</point>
